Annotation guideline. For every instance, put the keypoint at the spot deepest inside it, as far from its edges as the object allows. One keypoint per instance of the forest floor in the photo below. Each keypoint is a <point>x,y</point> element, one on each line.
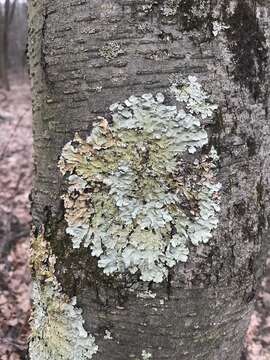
<point>15,187</point>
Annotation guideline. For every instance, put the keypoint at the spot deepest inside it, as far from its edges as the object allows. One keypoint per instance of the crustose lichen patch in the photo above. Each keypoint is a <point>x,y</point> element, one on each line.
<point>141,192</point>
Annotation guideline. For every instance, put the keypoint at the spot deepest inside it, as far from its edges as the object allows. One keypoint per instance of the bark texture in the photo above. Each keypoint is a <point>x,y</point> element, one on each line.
<point>86,55</point>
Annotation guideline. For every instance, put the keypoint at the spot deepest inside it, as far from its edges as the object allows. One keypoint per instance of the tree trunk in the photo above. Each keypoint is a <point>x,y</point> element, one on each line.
<point>6,20</point>
<point>5,46</point>
<point>1,41</point>
<point>87,55</point>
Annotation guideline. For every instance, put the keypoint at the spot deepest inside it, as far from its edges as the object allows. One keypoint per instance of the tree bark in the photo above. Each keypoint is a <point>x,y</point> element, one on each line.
<point>202,309</point>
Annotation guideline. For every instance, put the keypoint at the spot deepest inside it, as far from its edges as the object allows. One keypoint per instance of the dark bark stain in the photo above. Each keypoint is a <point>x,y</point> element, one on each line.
<point>239,209</point>
<point>216,132</point>
<point>192,17</point>
<point>189,15</point>
<point>248,44</point>
<point>43,52</point>
<point>260,203</point>
<point>76,269</point>
<point>252,146</point>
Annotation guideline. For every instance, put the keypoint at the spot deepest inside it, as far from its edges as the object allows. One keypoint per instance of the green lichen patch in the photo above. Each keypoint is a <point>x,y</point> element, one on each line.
<point>57,323</point>
<point>140,190</point>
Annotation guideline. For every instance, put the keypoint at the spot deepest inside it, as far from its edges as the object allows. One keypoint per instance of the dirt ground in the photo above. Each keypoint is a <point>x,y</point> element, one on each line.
<point>15,187</point>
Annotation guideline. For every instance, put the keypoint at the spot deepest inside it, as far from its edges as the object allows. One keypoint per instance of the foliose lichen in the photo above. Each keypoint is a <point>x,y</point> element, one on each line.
<point>140,191</point>
<point>57,323</point>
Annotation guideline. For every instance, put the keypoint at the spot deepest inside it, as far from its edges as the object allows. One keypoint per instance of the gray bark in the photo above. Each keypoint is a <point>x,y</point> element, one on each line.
<point>202,310</point>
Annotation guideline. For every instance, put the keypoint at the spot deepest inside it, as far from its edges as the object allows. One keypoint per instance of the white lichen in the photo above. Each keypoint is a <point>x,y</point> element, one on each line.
<point>191,93</point>
<point>146,295</point>
<point>57,323</point>
<point>146,355</point>
<point>111,50</point>
<point>140,190</point>
<point>147,8</point>
<point>218,28</point>
<point>108,335</point>
<point>170,7</point>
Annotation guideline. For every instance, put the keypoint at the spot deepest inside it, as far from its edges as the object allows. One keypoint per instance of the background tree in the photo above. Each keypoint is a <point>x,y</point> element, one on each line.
<point>86,56</point>
<point>13,24</point>
<point>7,15</point>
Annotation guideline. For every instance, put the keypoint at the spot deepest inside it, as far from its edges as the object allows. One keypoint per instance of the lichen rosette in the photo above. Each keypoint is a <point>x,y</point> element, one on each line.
<point>140,191</point>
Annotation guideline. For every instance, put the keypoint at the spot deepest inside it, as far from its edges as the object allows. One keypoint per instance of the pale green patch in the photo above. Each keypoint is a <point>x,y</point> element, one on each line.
<point>140,190</point>
<point>191,92</point>
<point>57,324</point>
<point>57,327</point>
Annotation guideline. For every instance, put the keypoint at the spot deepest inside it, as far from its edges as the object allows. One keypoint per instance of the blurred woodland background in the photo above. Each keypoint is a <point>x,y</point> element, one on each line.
<point>15,180</point>
<point>13,40</point>
<point>15,188</point>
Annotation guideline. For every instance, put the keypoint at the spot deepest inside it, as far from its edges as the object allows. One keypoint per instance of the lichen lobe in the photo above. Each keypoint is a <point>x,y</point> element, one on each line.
<point>140,190</point>
<point>57,324</point>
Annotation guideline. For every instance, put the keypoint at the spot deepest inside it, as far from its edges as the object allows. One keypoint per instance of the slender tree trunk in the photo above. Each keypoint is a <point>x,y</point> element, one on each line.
<point>86,55</point>
<point>9,10</point>
<point>5,45</point>
<point>1,41</point>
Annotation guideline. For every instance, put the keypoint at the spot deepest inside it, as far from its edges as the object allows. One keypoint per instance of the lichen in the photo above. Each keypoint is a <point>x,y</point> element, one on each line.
<point>146,355</point>
<point>57,323</point>
<point>140,191</point>
<point>170,7</point>
<point>218,27</point>
<point>146,295</point>
<point>147,8</point>
<point>108,335</point>
<point>111,50</point>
